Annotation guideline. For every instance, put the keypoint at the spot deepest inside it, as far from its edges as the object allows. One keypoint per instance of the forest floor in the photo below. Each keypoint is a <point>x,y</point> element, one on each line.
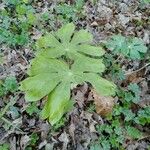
<point>127,127</point>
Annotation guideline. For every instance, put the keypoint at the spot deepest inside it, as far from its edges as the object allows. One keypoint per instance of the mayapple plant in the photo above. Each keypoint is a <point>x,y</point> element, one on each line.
<point>65,58</point>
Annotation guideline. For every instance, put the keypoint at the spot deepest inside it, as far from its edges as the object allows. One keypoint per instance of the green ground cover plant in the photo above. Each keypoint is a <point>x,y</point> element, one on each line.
<point>130,47</point>
<point>4,146</point>
<point>32,109</point>
<point>122,123</point>
<point>10,84</point>
<point>68,13</point>
<point>18,19</point>
<point>14,27</point>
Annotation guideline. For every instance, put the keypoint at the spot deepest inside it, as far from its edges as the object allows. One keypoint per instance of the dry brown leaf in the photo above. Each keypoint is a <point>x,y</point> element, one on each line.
<point>135,76</point>
<point>104,104</point>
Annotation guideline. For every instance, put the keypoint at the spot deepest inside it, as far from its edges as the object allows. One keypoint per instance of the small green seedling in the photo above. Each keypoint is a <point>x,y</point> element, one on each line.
<point>14,28</point>
<point>32,108</point>
<point>10,84</point>
<point>59,124</point>
<point>143,116</point>
<point>134,133</point>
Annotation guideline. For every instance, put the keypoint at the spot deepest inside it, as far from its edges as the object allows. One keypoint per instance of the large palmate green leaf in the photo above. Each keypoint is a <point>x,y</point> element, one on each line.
<point>52,76</point>
<point>49,76</point>
<point>66,41</point>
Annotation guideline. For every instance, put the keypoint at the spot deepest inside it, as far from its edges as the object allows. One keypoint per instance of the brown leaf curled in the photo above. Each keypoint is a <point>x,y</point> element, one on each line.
<point>104,104</point>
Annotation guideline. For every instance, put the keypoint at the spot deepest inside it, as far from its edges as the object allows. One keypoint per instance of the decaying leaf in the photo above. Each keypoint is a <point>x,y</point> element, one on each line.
<point>24,141</point>
<point>134,77</point>
<point>103,104</point>
<point>64,138</point>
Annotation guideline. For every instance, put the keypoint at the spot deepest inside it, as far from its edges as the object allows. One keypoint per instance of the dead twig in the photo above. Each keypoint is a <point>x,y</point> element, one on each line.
<point>129,73</point>
<point>144,137</point>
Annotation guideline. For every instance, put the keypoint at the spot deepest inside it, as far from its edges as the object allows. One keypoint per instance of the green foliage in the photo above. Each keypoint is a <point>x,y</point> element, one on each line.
<point>134,88</point>
<point>143,116</point>
<point>70,12</point>
<point>145,1</point>
<point>95,147</point>
<point>59,124</point>
<point>117,73</point>
<point>115,70</point>
<point>12,2</point>
<point>2,90</point>
<point>14,111</point>
<point>133,48</point>
<point>64,60</point>
<point>25,1</point>
<point>9,85</point>
<point>1,58</point>
<point>14,27</point>
<point>131,95</point>
<point>133,132</point>
<point>4,147</point>
<point>34,138</point>
<point>33,141</point>
<point>91,108</point>
<point>67,58</point>
<point>122,124</point>
<point>128,114</point>
<point>114,135</point>
<point>32,108</point>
